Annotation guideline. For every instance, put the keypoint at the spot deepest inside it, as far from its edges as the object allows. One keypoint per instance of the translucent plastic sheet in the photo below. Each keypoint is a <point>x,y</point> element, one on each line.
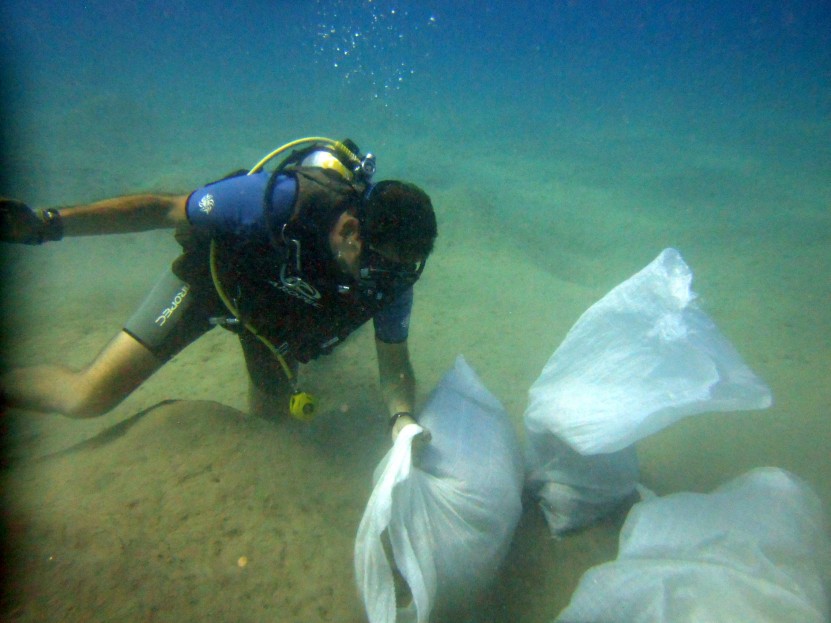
<point>755,550</point>
<point>638,360</point>
<point>450,520</point>
<point>641,358</point>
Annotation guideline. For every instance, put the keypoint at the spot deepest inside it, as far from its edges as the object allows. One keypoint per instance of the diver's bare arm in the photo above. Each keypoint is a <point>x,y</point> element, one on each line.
<point>397,381</point>
<point>131,213</point>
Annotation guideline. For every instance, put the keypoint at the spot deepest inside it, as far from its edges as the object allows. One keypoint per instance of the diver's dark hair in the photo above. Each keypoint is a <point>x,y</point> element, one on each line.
<point>400,215</point>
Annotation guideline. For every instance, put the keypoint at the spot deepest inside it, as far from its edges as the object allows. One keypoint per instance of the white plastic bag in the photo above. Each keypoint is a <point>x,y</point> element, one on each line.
<point>756,550</point>
<point>641,358</point>
<point>451,519</point>
<point>574,490</point>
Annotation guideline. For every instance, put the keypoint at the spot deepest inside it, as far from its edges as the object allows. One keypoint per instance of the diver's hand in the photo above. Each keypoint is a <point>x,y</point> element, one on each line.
<point>20,224</point>
<point>419,442</point>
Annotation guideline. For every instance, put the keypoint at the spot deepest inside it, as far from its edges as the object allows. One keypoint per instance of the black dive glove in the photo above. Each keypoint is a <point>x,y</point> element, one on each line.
<point>19,223</point>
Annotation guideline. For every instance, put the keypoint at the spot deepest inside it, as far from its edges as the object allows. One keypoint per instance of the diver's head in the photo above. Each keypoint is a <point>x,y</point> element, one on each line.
<point>399,229</point>
<point>399,216</point>
<point>386,243</point>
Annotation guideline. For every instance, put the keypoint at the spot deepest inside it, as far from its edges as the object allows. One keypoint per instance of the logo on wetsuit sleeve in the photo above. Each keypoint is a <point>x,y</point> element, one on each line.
<point>206,203</point>
<point>167,312</point>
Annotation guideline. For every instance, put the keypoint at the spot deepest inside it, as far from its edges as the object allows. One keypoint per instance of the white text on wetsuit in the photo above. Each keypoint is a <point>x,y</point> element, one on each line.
<point>167,312</point>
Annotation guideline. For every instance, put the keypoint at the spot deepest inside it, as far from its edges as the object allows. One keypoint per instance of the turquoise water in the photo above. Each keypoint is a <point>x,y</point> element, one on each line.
<point>564,145</point>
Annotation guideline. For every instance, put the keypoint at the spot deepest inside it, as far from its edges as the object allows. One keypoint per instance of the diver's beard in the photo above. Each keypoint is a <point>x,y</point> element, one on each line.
<point>342,266</point>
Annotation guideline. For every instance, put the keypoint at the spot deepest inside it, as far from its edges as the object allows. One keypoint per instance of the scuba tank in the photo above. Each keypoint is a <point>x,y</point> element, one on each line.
<point>342,157</point>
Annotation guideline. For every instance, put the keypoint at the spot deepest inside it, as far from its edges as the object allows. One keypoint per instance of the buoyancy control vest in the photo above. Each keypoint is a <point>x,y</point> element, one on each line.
<point>289,286</point>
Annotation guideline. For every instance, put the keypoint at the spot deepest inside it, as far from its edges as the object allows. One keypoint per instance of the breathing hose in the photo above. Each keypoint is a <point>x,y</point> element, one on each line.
<point>302,405</point>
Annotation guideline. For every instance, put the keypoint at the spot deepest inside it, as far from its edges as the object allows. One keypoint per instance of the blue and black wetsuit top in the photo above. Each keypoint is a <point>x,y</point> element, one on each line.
<point>274,262</point>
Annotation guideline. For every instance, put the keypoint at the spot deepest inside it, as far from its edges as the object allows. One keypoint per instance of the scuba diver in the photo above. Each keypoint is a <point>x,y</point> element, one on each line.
<point>291,259</point>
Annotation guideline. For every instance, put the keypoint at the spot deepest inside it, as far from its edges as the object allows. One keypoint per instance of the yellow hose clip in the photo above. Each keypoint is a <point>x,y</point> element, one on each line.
<point>302,406</point>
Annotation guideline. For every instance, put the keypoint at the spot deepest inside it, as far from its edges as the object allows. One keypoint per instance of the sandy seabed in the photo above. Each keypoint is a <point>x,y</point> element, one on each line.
<point>178,506</point>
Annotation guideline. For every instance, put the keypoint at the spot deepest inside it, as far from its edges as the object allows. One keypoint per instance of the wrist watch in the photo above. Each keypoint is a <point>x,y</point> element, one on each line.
<point>52,225</point>
<point>395,417</point>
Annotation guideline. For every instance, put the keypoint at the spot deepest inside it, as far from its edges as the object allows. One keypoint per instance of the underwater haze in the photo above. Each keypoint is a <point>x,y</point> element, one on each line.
<point>564,145</point>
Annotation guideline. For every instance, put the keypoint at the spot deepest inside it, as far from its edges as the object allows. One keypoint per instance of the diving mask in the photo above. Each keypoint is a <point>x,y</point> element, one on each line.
<point>380,273</point>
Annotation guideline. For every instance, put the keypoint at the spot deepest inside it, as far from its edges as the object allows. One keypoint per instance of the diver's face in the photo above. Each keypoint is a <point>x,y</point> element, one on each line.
<point>360,260</point>
<point>354,257</point>
<point>384,267</point>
